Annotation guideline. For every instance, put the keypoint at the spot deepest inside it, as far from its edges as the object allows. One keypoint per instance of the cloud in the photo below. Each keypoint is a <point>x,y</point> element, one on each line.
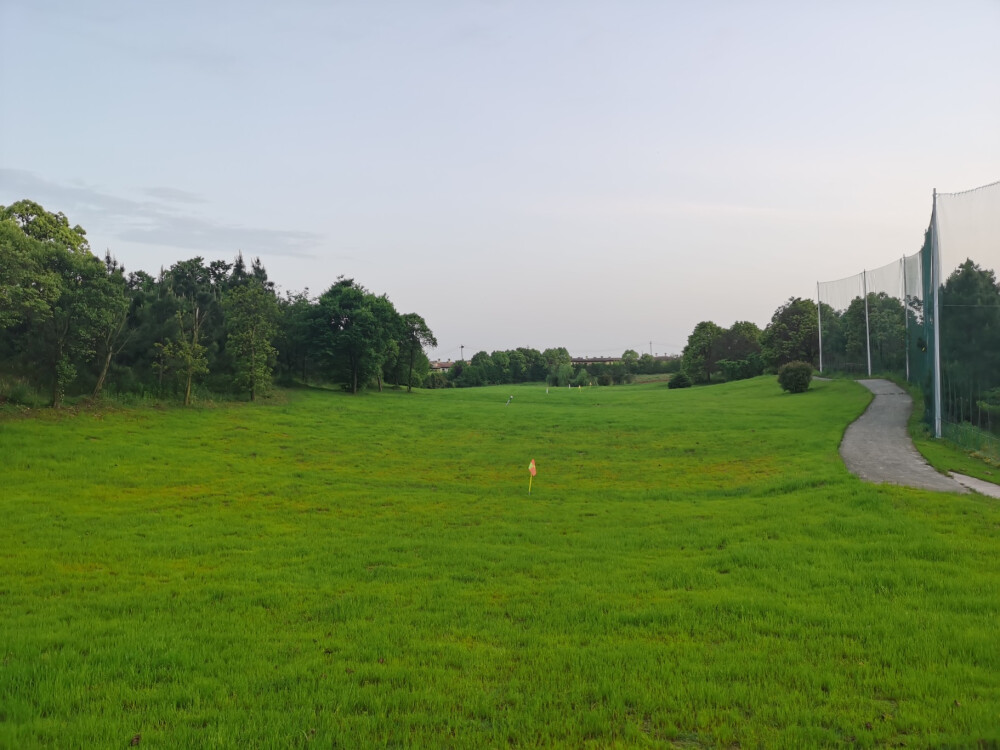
<point>172,195</point>
<point>164,217</point>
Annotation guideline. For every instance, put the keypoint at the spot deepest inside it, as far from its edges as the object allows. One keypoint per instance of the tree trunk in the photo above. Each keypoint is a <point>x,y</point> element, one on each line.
<point>104,374</point>
<point>56,396</point>
<point>187,391</point>
<point>409,376</point>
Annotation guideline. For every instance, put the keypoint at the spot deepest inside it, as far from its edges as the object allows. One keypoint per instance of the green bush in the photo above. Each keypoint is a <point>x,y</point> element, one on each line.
<point>680,380</point>
<point>794,377</point>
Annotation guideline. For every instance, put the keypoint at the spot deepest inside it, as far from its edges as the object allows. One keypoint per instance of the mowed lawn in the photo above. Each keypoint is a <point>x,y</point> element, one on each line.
<point>692,568</point>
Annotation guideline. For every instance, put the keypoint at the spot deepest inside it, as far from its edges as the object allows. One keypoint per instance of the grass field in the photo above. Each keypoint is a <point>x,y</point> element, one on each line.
<point>693,568</point>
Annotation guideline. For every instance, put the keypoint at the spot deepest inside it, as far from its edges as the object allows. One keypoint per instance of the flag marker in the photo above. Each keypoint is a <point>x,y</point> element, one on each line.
<point>531,470</point>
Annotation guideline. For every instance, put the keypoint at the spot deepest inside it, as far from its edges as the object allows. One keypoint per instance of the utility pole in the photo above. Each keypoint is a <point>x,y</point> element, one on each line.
<point>650,348</point>
<point>462,347</point>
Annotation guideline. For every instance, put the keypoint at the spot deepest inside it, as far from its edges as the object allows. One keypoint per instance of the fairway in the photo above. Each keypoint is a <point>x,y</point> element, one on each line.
<point>692,568</point>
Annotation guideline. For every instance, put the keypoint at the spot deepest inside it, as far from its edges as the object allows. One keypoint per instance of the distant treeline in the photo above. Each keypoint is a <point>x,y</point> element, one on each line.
<point>554,366</point>
<point>74,324</point>
<point>745,351</point>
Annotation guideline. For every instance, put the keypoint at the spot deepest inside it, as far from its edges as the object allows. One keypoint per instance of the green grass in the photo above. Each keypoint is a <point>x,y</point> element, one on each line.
<point>693,568</point>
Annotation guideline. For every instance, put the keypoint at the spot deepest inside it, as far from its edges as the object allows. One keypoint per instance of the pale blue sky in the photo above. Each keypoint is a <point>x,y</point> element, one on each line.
<point>595,175</point>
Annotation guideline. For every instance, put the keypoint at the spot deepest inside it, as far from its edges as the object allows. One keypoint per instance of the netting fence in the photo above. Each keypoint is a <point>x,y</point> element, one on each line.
<point>932,317</point>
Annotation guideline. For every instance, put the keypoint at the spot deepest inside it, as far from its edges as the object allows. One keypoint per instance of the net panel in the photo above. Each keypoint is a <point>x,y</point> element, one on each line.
<point>842,325</point>
<point>945,296</point>
<point>968,243</point>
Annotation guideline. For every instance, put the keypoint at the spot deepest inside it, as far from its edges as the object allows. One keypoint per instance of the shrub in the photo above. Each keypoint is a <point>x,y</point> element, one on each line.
<point>794,377</point>
<point>680,380</point>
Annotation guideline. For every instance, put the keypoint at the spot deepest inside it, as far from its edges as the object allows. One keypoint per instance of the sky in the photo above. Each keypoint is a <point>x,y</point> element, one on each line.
<point>595,175</point>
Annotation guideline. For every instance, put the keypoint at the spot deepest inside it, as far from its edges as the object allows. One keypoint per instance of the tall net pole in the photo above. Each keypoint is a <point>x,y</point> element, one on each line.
<point>936,280</point>
<point>819,321</point>
<point>868,335</point>
<point>906,318</point>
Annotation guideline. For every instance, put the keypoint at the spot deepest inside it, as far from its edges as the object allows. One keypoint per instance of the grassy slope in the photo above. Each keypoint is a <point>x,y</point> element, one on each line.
<point>692,567</point>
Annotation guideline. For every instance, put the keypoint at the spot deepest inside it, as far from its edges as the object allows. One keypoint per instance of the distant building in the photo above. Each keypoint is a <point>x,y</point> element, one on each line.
<point>441,366</point>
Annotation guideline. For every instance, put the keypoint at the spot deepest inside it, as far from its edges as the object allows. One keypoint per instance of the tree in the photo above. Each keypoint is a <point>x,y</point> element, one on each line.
<point>970,342</point>
<point>111,330</point>
<point>27,288</point>
<point>361,332</point>
<point>737,351</point>
<point>251,323</point>
<point>501,367</point>
<point>415,334</point>
<point>44,226</point>
<point>517,366</point>
<point>630,365</point>
<point>56,297</point>
<point>300,325</point>
<point>792,335</point>
<point>699,356</point>
<point>184,354</point>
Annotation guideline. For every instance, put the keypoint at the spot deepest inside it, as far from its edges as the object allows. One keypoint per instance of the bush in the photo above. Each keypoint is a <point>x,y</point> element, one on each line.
<point>794,377</point>
<point>680,380</point>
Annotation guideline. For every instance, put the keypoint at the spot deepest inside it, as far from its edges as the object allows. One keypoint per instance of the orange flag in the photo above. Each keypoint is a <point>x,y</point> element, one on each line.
<point>531,467</point>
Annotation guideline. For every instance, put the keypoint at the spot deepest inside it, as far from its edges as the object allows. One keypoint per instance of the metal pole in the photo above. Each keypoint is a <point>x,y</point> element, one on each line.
<point>906,321</point>
<point>868,336</point>
<point>819,324</point>
<point>936,280</point>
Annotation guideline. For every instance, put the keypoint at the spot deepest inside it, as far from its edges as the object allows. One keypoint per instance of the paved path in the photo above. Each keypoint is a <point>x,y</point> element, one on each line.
<point>877,446</point>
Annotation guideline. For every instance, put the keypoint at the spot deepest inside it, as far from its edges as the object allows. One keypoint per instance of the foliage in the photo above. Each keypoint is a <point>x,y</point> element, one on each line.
<point>71,323</point>
<point>699,357</point>
<point>792,335</point>
<point>795,377</point>
<point>251,324</point>
<point>184,355</point>
<point>741,369</point>
<point>680,380</point>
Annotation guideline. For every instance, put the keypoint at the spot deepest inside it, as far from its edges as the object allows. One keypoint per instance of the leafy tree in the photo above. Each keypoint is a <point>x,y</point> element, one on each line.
<point>251,323</point>
<point>184,354</point>
<point>59,314</point>
<point>970,342</point>
<point>630,365</point>
<point>361,332</point>
<point>484,364</point>
<point>537,369</point>
<point>501,367</point>
<point>517,366</point>
<point>560,375</point>
<point>792,335</point>
<point>699,356</point>
<point>737,351</point>
<point>111,331</point>
<point>300,325</point>
<point>416,334</point>
<point>44,226</point>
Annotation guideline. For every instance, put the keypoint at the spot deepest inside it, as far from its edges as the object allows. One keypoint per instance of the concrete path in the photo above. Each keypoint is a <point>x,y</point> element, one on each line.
<point>877,446</point>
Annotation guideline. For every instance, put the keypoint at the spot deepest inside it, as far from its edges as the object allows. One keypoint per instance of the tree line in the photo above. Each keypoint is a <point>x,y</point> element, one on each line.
<point>72,323</point>
<point>745,351</point>
<point>898,335</point>
<point>554,366</point>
